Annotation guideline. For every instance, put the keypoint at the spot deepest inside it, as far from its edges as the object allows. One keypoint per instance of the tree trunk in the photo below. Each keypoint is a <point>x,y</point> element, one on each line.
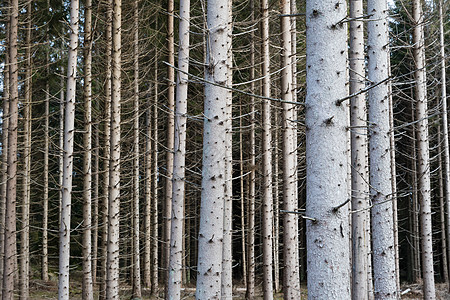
<point>44,262</point>
<point>250,276</point>
<point>155,226</point>
<point>169,137</point>
<point>326,151</point>
<point>88,290</point>
<point>112,286</point>
<point>136,263</point>
<point>290,198</point>
<point>242,198</point>
<point>442,209</point>
<point>25,232</point>
<point>179,165</point>
<point>5,129</point>
<point>148,198</point>
<point>267,218</point>
<point>106,150</point>
<point>210,242</point>
<point>424,185</point>
<point>445,120</point>
<point>227,275</point>
<point>359,155</point>
<point>69,129</point>
<point>379,145</point>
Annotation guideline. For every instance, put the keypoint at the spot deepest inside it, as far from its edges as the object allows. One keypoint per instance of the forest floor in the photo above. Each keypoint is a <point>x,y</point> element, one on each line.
<point>44,290</point>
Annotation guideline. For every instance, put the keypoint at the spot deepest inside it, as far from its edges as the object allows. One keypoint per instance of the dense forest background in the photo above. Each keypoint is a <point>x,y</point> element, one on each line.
<point>132,102</point>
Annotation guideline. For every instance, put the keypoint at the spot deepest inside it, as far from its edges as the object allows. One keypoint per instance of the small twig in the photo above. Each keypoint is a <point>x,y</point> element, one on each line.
<point>335,209</point>
<point>298,213</point>
<point>339,102</point>
<point>292,15</point>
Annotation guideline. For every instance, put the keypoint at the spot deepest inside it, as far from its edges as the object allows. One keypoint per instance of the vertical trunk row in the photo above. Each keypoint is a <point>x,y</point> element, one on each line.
<point>179,166</point>
<point>379,145</point>
<point>327,151</point>
<point>210,241</point>
<point>69,129</point>
<point>290,198</point>
<point>359,155</point>
<point>423,168</point>
<point>112,286</point>
<point>267,218</point>
<point>148,198</point>
<point>88,291</point>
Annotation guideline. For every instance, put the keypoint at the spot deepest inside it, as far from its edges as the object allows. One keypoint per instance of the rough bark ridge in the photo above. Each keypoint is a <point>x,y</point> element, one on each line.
<point>379,145</point>
<point>326,151</point>
<point>209,270</point>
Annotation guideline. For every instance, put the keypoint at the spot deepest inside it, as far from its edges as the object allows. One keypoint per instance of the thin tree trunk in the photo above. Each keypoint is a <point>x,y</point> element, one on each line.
<point>169,137</point>
<point>379,145</point>
<point>242,198</point>
<point>10,200</point>
<point>442,209</point>
<point>148,198</point>
<point>179,164</point>
<point>250,293</point>
<point>415,205</point>
<point>5,129</point>
<point>326,152</point>
<point>276,207</point>
<point>359,155</point>
<point>88,291</point>
<point>227,275</point>
<point>424,185</point>
<point>267,230</point>
<point>445,136</point>
<point>210,242</point>
<point>155,226</point>
<point>290,199</point>
<point>112,286</point>
<point>69,129</point>
<point>106,151</point>
<point>44,262</point>
<point>25,232</point>
<point>96,198</point>
<point>136,262</point>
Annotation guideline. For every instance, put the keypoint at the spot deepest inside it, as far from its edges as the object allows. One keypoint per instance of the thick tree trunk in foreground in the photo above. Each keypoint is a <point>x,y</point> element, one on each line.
<point>423,164</point>
<point>69,129</point>
<point>379,145</point>
<point>326,151</point>
<point>210,242</point>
